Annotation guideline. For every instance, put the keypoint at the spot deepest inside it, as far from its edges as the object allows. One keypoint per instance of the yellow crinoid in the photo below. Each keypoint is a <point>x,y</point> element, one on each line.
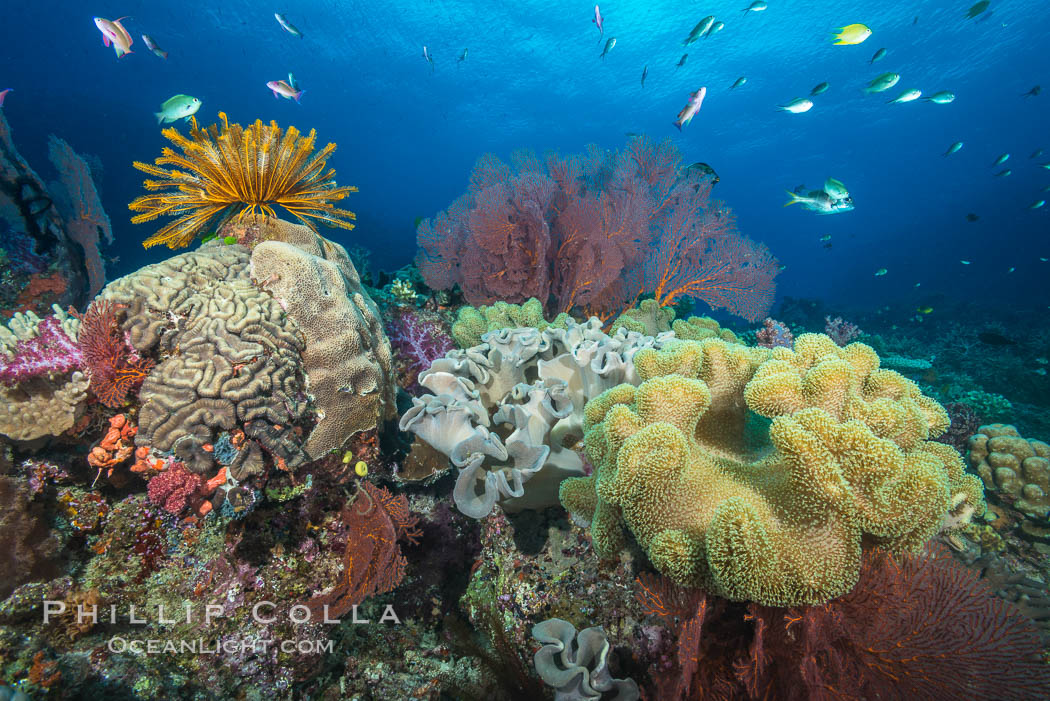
<point>228,170</point>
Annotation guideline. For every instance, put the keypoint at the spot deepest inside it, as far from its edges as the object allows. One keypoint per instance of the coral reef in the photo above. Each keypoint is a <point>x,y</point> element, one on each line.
<point>1017,472</point>
<point>840,330</point>
<point>417,339</point>
<point>34,347</point>
<point>113,365</point>
<point>964,423</point>
<point>228,353</point>
<point>535,383</point>
<point>774,334</point>
<point>229,170</point>
<point>772,513</point>
<point>697,328</point>
<point>647,318</point>
<point>589,234</point>
<point>81,208</point>
<point>372,563</point>
<point>921,626</point>
<point>28,549</point>
<point>577,664</point>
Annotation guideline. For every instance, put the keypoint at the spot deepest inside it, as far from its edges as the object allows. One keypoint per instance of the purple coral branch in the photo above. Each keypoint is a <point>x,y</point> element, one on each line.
<point>51,351</point>
<point>419,341</point>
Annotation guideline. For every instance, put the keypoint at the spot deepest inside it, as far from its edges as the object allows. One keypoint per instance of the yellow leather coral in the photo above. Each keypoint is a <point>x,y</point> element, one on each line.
<point>767,511</point>
<point>231,170</point>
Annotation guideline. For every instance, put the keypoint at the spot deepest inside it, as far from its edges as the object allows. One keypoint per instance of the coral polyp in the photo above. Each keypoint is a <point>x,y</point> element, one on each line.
<point>227,171</point>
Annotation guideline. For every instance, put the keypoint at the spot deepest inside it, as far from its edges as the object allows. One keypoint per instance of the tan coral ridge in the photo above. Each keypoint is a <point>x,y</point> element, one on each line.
<point>1017,471</point>
<point>779,520</point>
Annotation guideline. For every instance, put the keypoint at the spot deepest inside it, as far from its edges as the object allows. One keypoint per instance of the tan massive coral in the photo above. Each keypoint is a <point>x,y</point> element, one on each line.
<point>1016,471</point>
<point>237,352</point>
<point>347,356</point>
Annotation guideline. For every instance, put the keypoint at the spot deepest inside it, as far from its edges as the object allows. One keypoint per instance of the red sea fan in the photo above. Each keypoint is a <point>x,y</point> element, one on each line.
<point>590,233</point>
<point>113,366</point>
<point>925,627</point>
<point>372,563</point>
<point>922,627</point>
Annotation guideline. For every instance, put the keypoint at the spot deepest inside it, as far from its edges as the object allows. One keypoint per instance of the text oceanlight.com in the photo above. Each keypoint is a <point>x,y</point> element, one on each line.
<point>154,646</point>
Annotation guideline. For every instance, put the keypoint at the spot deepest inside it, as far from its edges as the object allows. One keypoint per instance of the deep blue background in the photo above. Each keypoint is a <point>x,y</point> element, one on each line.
<point>408,136</point>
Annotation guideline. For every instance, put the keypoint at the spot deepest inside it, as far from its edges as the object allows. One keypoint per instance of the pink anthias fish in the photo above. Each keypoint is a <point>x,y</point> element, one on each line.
<point>3,94</point>
<point>282,89</point>
<point>152,46</point>
<point>691,108</point>
<point>113,32</point>
<point>600,21</point>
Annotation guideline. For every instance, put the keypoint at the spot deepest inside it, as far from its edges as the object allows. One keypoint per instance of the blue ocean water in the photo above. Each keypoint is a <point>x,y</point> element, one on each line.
<point>408,131</point>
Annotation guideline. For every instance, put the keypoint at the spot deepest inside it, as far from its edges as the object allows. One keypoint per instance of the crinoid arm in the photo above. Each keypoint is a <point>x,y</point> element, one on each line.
<point>227,170</point>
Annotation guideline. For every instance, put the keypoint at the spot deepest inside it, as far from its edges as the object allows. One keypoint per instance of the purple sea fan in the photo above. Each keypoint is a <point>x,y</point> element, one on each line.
<point>51,351</point>
<point>417,342</point>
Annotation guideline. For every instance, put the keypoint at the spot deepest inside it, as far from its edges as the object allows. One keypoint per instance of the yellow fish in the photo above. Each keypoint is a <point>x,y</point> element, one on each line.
<point>880,272</point>
<point>924,310</point>
<point>852,34</point>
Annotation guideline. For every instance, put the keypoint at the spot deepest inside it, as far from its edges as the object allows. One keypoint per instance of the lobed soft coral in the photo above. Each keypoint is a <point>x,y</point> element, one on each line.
<point>768,512</point>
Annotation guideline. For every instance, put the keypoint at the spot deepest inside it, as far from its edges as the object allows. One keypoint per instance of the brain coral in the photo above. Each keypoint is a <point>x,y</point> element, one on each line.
<point>767,511</point>
<point>230,354</point>
<point>1017,470</point>
<point>348,361</point>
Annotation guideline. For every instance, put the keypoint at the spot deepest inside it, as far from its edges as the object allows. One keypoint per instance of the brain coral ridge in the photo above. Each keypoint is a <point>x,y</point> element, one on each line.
<point>509,411</point>
<point>756,474</point>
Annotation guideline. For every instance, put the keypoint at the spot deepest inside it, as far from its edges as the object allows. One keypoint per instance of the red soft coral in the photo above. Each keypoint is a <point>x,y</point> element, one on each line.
<point>174,489</point>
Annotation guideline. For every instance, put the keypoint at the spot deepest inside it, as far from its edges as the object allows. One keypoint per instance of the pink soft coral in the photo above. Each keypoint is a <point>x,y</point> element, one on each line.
<point>417,342</point>
<point>50,352</point>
